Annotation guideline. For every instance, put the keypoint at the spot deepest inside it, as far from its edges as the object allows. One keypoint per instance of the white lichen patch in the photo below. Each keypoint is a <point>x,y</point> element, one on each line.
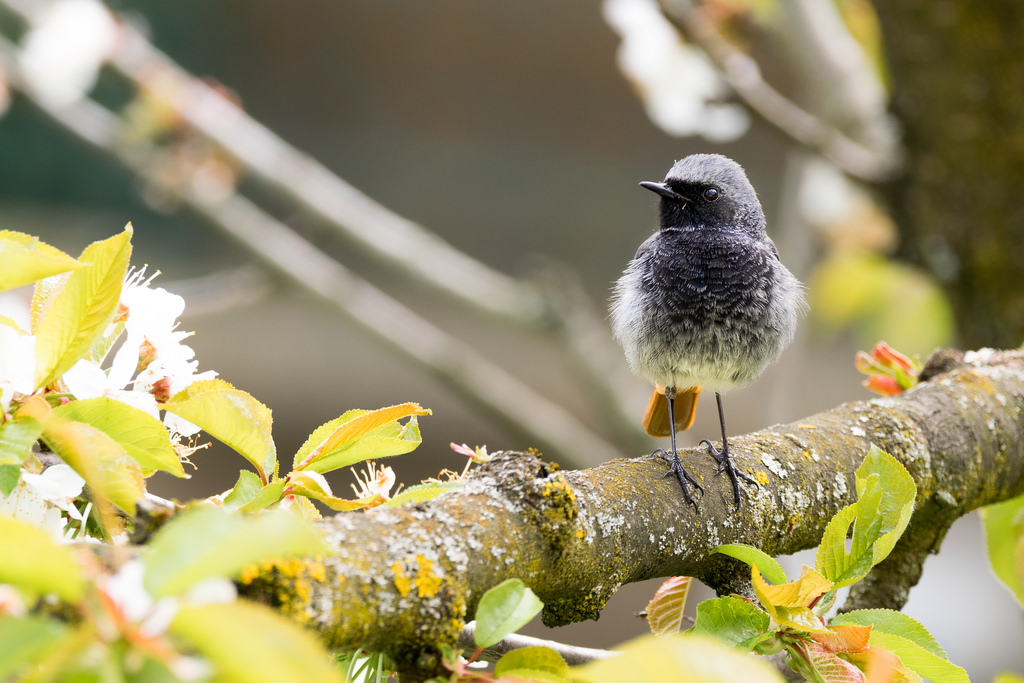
<point>840,486</point>
<point>858,431</point>
<point>774,466</point>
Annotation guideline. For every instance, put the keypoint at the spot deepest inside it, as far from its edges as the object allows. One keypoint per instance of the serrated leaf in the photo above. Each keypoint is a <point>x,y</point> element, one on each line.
<point>312,485</point>
<point>142,436</point>
<point>231,416</point>
<point>504,609</point>
<point>265,497</point>
<point>360,435</point>
<point>799,594</point>
<point>25,259</point>
<point>33,561</point>
<point>687,658</point>
<point>422,492</point>
<point>1004,540</point>
<point>896,623</point>
<point>830,667</point>
<point>765,563</point>
<point>109,471</point>
<point>533,664</point>
<point>249,642</point>
<point>209,542</point>
<point>26,640</point>
<point>918,659</point>
<point>80,309</point>
<point>886,494</point>
<point>665,609</point>
<point>17,436</point>
<point>733,620</point>
<point>244,491</point>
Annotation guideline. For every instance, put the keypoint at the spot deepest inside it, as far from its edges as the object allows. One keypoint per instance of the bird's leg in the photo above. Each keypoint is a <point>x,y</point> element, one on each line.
<point>725,463</point>
<point>674,461</point>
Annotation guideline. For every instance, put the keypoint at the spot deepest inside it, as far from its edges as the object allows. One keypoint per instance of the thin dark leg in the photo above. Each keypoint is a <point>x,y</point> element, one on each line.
<point>725,463</point>
<point>674,461</point>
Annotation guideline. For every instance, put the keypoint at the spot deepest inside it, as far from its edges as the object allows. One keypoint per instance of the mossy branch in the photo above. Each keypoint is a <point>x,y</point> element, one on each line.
<point>404,580</point>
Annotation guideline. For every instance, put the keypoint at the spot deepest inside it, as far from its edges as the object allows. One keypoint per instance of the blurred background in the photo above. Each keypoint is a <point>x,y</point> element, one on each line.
<point>506,141</point>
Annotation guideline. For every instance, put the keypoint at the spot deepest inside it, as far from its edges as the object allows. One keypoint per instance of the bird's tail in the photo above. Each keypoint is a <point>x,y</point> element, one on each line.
<point>656,419</point>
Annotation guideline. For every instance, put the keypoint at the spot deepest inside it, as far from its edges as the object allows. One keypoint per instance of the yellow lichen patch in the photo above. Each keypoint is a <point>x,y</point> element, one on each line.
<point>761,477</point>
<point>402,582</point>
<point>427,582</point>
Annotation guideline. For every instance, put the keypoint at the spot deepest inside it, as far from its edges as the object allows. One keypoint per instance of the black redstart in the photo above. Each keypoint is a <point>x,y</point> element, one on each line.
<point>705,303</point>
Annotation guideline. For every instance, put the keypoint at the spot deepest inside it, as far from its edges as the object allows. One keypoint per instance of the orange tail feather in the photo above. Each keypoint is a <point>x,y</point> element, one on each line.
<point>656,418</point>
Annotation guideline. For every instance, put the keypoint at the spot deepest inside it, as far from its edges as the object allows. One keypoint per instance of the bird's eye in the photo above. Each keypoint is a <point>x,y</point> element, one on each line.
<point>711,194</point>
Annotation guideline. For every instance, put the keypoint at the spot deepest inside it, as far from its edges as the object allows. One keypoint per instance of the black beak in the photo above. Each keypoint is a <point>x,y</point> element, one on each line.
<point>664,190</point>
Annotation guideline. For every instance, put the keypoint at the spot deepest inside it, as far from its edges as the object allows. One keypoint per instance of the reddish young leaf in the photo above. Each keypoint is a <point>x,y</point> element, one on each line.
<point>665,610</point>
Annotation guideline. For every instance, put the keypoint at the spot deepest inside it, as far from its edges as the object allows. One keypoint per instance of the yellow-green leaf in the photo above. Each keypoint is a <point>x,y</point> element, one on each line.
<point>1004,539</point>
<point>422,492</point>
<point>102,462</point>
<point>533,664</point>
<point>25,259</point>
<point>32,560</point>
<point>232,416</point>
<point>683,659</point>
<point>249,642</point>
<point>755,557</point>
<point>313,485</point>
<point>16,438</point>
<point>142,436</point>
<point>79,309</point>
<point>360,435</point>
<point>665,609</point>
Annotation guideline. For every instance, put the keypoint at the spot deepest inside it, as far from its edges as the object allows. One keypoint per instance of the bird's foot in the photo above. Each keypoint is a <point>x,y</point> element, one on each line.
<point>725,464</point>
<point>675,466</point>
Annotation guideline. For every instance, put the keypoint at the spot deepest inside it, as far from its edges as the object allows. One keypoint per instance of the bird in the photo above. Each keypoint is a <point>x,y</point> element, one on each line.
<point>704,304</point>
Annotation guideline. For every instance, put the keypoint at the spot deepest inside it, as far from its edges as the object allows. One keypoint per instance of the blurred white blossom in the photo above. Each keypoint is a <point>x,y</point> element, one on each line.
<point>680,89</point>
<point>47,500</point>
<point>62,55</point>
<point>17,364</point>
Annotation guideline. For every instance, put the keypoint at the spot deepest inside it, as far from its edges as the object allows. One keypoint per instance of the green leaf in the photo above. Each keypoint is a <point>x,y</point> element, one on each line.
<point>504,609</point>
<point>208,542</point>
<point>231,416</point>
<point>765,563</point>
<point>683,659</point>
<point>9,477</point>
<point>16,438</point>
<point>893,622</point>
<point>249,642</point>
<point>665,609</point>
<point>422,492</point>
<point>733,620</point>
<point>32,560</point>
<point>79,309</point>
<point>26,641</point>
<point>360,435</point>
<point>533,664</point>
<point>1004,539</point>
<point>142,436</point>
<point>924,663</point>
<point>265,497</point>
<point>101,461</point>
<point>886,494</point>
<point>244,491</point>
<point>313,485</point>
<point>25,259</point>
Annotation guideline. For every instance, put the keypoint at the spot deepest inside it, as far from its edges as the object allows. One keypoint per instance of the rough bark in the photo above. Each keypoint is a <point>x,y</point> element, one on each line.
<point>404,580</point>
<point>957,73</point>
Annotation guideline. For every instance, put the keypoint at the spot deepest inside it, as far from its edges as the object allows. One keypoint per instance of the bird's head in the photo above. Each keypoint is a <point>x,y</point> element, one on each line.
<point>708,191</point>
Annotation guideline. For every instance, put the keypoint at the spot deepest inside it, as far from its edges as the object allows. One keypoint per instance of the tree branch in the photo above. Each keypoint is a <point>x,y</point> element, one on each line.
<point>404,580</point>
<point>856,157</point>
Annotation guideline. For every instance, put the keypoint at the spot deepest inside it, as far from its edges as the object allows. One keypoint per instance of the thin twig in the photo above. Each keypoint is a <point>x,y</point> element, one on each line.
<point>744,76</point>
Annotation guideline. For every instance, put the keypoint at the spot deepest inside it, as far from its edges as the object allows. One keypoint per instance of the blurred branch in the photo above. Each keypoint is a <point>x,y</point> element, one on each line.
<point>572,654</point>
<point>504,397</point>
<point>398,242</point>
<point>743,74</point>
